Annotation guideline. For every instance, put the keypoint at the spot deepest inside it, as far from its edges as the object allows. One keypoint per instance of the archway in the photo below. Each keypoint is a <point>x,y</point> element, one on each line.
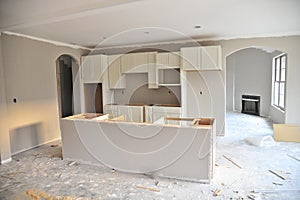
<point>67,85</point>
<point>249,71</point>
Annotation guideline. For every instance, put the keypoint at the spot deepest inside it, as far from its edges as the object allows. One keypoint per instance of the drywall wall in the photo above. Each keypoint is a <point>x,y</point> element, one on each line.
<point>171,151</point>
<point>5,151</point>
<point>249,71</point>
<point>30,75</point>
<point>137,91</point>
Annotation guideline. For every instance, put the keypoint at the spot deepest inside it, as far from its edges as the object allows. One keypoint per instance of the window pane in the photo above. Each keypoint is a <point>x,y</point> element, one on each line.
<point>281,101</point>
<point>281,89</point>
<point>282,77</point>
<point>276,87</point>
<point>283,58</point>
<point>277,69</point>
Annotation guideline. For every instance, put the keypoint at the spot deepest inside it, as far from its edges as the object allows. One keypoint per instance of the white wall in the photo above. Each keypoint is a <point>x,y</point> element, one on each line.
<point>5,151</point>
<point>249,71</point>
<point>137,91</point>
<point>30,77</point>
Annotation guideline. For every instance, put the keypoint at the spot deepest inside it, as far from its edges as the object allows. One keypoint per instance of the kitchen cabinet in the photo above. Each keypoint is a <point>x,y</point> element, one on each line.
<point>92,68</point>
<point>115,77</point>
<point>152,72</point>
<point>132,113</point>
<point>134,63</point>
<point>154,113</point>
<point>201,58</point>
<point>168,59</point>
<point>168,76</point>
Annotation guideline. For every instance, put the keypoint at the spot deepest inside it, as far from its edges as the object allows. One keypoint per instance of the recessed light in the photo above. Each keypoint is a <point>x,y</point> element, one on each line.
<point>197,26</point>
<point>147,32</point>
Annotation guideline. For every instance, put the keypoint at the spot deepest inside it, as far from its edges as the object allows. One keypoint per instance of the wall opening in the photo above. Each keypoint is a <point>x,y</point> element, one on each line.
<point>249,71</point>
<point>66,73</point>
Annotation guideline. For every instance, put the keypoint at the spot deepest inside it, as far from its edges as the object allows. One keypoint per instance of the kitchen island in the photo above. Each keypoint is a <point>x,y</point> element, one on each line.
<point>184,151</point>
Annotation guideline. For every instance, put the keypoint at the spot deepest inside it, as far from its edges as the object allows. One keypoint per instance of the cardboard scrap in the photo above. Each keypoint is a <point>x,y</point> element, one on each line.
<point>286,133</point>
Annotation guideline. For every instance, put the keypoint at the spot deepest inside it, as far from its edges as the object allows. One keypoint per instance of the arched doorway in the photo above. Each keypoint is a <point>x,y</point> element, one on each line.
<point>250,71</point>
<point>67,86</point>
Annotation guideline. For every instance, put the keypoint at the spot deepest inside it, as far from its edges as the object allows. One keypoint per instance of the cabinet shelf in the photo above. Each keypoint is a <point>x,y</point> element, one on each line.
<point>168,76</point>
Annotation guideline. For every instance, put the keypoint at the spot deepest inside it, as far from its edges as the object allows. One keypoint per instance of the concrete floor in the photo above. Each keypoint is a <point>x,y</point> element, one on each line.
<point>41,174</point>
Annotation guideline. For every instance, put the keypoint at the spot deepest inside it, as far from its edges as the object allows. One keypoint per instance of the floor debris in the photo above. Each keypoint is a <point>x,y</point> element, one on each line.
<point>217,192</point>
<point>295,158</point>
<point>229,159</point>
<point>277,174</point>
<point>148,188</point>
<point>275,183</point>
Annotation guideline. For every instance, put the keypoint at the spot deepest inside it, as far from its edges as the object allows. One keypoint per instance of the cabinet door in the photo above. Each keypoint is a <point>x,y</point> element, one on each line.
<point>116,80</point>
<point>140,63</point>
<point>127,63</point>
<point>210,58</point>
<point>162,59</point>
<point>91,69</point>
<point>174,59</point>
<point>190,58</point>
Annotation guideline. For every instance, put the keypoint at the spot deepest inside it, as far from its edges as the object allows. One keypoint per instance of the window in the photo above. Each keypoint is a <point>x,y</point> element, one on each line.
<point>279,71</point>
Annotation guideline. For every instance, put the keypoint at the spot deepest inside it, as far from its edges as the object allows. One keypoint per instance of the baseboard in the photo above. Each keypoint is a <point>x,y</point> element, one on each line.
<point>6,161</point>
<point>49,141</point>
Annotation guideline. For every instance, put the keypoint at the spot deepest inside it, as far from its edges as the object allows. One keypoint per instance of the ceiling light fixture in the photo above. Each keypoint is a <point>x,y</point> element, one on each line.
<point>197,27</point>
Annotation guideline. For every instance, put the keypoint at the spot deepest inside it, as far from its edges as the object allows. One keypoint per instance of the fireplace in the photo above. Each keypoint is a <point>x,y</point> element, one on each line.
<point>251,104</point>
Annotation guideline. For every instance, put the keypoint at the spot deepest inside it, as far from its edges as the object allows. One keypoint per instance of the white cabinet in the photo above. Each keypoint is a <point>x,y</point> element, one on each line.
<point>116,79</point>
<point>168,59</point>
<point>134,63</point>
<point>201,58</point>
<point>157,112</point>
<point>132,113</point>
<point>152,72</point>
<point>168,76</point>
<point>92,68</point>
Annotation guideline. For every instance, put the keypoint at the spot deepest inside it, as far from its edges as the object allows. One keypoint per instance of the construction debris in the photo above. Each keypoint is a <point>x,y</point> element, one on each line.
<point>277,174</point>
<point>251,196</point>
<point>275,183</point>
<point>217,192</point>
<point>229,159</point>
<point>148,188</point>
<point>295,158</point>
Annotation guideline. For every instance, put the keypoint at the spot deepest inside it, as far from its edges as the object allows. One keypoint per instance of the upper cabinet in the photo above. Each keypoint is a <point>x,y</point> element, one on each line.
<point>201,58</point>
<point>115,77</point>
<point>168,59</point>
<point>134,63</point>
<point>93,67</point>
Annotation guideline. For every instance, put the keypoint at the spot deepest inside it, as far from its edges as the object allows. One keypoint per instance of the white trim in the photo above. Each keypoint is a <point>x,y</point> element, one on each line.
<point>47,41</point>
<point>6,161</point>
<point>38,145</point>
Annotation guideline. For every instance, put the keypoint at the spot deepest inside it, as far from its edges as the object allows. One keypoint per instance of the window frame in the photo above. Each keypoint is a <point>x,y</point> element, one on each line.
<point>277,80</point>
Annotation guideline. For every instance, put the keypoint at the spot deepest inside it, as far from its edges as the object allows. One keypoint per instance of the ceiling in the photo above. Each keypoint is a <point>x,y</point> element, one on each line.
<point>107,23</point>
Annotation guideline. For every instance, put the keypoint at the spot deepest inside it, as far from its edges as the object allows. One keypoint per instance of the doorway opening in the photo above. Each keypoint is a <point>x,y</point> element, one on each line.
<point>249,86</point>
<point>66,74</point>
